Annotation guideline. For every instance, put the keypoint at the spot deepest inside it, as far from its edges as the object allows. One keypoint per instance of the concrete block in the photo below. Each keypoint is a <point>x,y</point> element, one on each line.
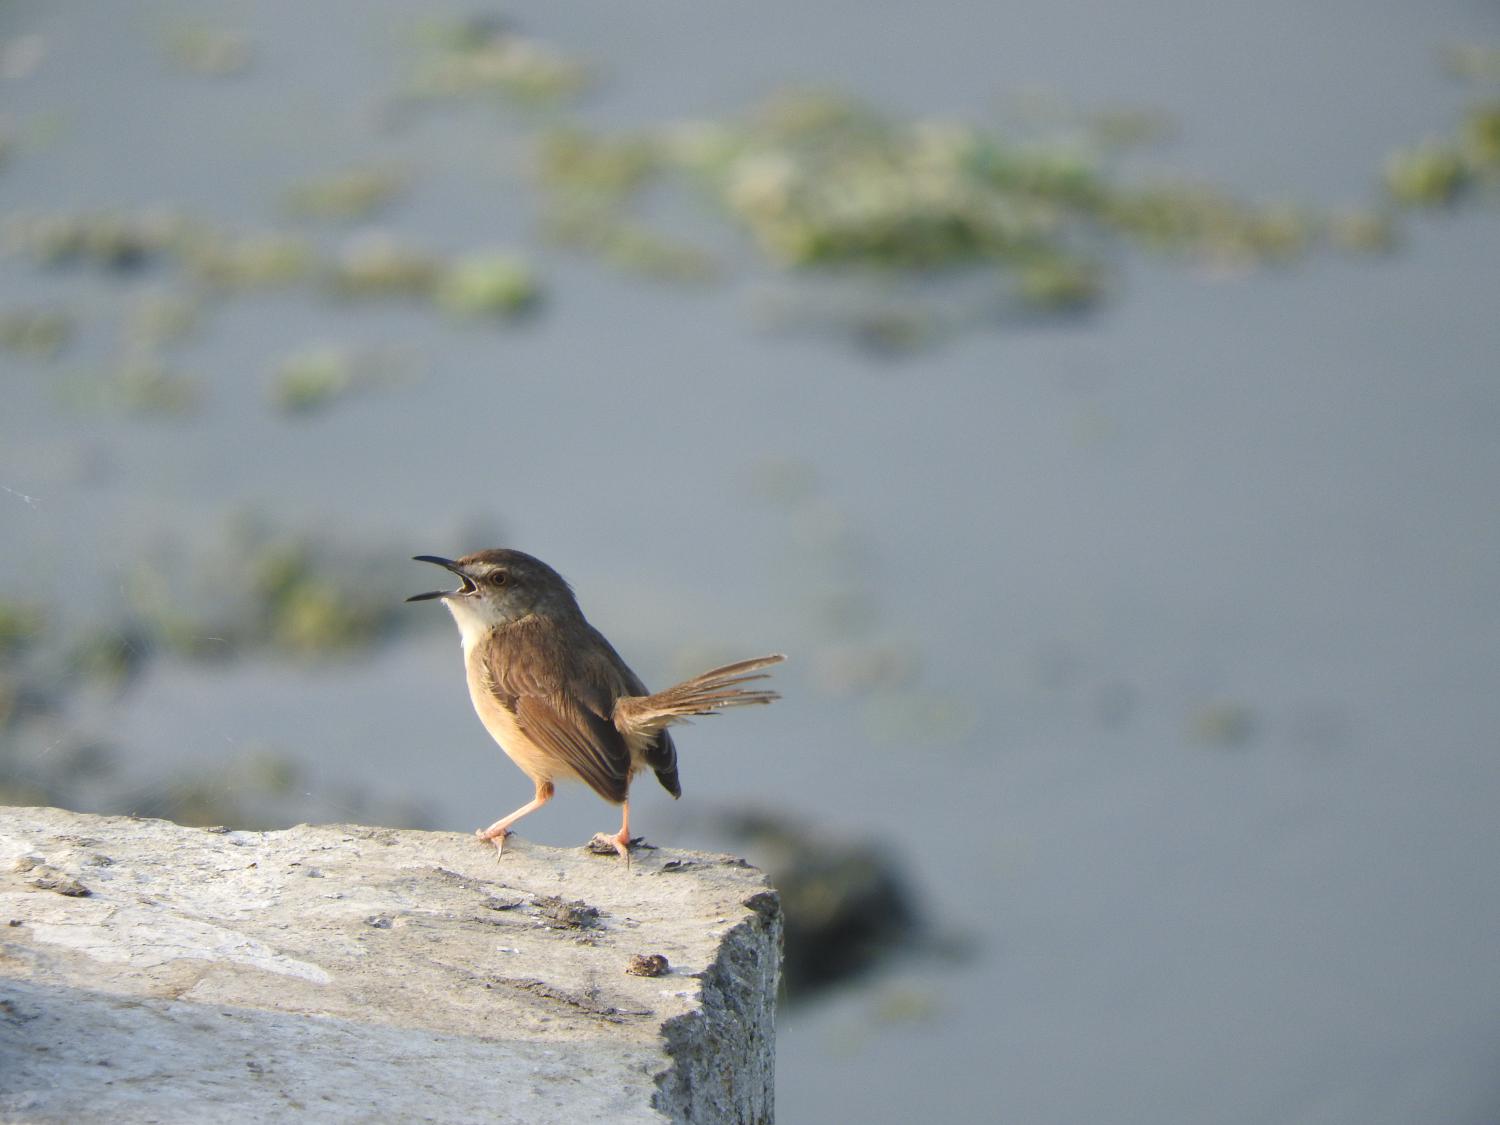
<point>151,972</point>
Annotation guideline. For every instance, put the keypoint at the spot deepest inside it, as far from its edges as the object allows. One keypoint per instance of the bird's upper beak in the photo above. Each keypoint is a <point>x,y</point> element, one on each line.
<point>468,586</point>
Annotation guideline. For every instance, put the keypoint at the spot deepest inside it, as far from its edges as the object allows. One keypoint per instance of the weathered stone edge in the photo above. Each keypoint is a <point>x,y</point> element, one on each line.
<point>724,1053</point>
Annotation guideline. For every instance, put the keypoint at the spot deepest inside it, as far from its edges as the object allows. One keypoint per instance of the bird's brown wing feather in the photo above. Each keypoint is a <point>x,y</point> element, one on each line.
<point>588,745</point>
<point>528,668</point>
<point>605,665</point>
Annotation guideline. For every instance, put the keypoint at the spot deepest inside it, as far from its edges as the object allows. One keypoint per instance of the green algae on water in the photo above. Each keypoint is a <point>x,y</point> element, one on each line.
<point>827,185</point>
<point>143,386</point>
<point>486,56</point>
<point>313,378</point>
<point>41,332</point>
<point>355,193</point>
<point>496,283</point>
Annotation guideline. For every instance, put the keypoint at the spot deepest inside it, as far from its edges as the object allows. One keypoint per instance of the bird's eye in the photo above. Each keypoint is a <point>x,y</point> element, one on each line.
<point>499,578</point>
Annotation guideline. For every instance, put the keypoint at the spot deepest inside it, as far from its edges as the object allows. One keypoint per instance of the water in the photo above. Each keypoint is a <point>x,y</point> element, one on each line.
<point>1268,497</point>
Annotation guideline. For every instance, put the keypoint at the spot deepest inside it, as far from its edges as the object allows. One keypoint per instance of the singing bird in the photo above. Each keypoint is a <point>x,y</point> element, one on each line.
<point>555,694</point>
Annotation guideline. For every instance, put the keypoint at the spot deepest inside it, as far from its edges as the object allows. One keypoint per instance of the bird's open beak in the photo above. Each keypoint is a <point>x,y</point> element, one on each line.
<point>468,586</point>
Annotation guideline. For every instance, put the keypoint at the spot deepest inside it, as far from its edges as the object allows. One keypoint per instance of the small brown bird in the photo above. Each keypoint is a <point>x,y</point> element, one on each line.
<point>557,697</point>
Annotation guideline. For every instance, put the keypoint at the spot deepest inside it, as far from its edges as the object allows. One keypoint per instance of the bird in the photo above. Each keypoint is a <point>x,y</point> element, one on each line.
<point>558,698</point>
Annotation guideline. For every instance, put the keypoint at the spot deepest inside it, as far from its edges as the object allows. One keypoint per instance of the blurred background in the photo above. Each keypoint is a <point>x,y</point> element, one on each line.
<point>1098,402</point>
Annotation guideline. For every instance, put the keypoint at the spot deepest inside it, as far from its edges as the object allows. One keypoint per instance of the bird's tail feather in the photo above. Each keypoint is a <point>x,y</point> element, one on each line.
<point>705,694</point>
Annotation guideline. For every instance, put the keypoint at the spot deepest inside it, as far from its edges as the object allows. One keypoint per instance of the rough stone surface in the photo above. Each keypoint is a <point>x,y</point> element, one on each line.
<point>151,972</point>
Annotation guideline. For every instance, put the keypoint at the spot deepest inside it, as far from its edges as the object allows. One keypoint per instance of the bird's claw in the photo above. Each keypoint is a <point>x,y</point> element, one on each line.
<point>609,843</point>
<point>494,837</point>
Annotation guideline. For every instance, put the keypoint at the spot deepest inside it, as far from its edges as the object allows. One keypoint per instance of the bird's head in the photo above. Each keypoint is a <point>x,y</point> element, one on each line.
<point>497,587</point>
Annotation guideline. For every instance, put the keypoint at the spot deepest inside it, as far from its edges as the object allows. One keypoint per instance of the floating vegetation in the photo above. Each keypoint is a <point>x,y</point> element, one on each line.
<point>159,318</point>
<point>1441,170</point>
<point>828,184</point>
<point>376,263</point>
<point>1363,231</point>
<point>1473,62</point>
<point>21,623</point>
<point>1059,283</point>
<point>312,379</point>
<point>484,55</point>
<point>256,589</point>
<point>212,52</point>
<point>40,332</point>
<point>312,612</point>
<point>111,241</point>
<point>1430,174</point>
<point>127,242</point>
<point>490,284</point>
<point>1480,139</point>
<point>263,589</point>
<point>140,386</point>
<point>282,591</point>
<point>246,261</point>
<point>353,194</point>
<point>589,164</point>
<point>112,655</point>
<point>1205,226</point>
<point>601,231</point>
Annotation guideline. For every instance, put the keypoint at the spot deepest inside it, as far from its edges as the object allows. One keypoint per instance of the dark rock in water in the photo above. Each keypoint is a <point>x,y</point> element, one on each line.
<point>846,903</point>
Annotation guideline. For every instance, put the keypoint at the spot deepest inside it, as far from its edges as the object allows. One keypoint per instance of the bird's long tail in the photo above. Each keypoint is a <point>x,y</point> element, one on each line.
<point>713,691</point>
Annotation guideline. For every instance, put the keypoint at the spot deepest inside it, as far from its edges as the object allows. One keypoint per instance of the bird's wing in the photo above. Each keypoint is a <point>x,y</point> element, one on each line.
<point>655,748</point>
<point>565,709</point>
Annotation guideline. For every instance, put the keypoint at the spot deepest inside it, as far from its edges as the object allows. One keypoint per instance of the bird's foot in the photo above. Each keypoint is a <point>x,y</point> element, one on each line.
<point>610,843</point>
<point>495,836</point>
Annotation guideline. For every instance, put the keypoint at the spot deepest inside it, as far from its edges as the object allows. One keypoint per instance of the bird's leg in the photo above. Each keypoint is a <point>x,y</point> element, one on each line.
<point>603,841</point>
<point>622,841</point>
<point>497,832</point>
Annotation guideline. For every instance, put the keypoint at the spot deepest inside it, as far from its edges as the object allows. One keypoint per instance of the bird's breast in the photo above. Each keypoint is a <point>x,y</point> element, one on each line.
<point>500,721</point>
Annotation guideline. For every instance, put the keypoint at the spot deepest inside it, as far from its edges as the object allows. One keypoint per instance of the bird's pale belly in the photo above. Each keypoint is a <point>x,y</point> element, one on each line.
<point>501,723</point>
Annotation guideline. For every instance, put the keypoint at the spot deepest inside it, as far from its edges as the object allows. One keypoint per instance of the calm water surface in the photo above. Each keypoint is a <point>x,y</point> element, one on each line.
<point>1273,493</point>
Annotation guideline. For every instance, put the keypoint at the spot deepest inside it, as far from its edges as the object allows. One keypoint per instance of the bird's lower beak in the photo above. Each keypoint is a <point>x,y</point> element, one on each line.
<point>467,586</point>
